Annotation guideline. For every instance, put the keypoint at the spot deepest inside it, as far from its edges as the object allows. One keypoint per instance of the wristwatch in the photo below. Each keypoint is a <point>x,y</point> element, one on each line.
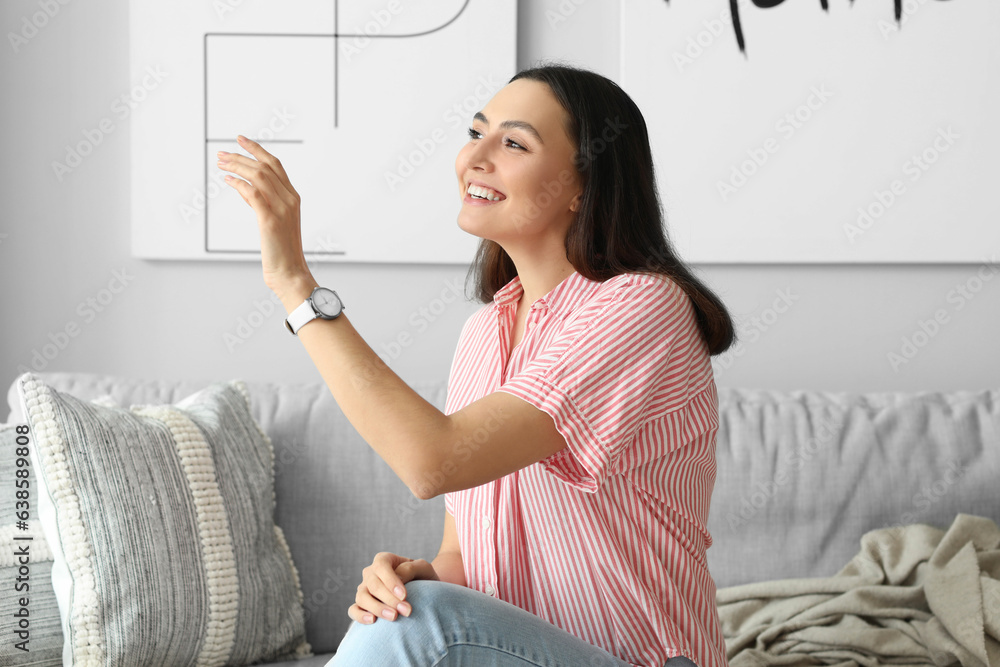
<point>323,303</point>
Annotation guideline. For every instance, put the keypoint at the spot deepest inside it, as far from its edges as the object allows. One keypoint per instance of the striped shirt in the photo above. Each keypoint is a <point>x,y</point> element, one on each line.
<point>607,537</point>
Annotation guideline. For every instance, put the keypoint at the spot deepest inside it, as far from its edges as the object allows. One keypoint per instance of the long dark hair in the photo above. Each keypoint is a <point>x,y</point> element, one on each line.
<point>619,225</point>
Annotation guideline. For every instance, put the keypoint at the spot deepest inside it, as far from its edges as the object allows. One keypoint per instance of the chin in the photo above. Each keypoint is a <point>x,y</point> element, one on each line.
<point>467,225</point>
<point>474,227</point>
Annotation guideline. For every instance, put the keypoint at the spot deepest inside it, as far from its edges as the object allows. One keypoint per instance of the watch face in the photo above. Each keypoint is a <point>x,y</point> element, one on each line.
<point>326,302</point>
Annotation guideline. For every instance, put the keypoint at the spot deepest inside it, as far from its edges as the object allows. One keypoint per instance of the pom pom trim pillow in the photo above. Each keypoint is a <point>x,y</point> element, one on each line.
<point>161,523</point>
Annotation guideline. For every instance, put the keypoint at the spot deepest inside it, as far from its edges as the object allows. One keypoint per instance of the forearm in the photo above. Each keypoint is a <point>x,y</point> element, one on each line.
<point>449,567</point>
<point>394,420</point>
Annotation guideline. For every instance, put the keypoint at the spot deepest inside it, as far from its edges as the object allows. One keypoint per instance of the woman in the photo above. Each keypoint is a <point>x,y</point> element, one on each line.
<point>577,449</point>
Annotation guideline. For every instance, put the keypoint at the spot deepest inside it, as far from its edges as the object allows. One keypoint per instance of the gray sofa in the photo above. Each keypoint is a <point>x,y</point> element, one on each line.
<point>801,477</point>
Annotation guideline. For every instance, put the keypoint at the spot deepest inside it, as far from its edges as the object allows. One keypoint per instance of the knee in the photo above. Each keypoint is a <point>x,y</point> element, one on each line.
<point>434,605</point>
<point>428,597</point>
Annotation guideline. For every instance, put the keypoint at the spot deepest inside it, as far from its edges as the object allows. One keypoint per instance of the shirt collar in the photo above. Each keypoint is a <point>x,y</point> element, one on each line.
<point>561,299</point>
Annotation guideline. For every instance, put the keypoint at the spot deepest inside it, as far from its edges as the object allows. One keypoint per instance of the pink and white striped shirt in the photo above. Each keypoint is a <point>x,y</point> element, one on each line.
<point>607,537</point>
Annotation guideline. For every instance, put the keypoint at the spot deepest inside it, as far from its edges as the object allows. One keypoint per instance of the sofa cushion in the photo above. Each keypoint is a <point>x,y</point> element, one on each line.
<point>160,518</point>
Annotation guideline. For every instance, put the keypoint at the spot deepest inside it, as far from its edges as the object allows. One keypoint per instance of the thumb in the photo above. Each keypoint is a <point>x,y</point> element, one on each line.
<point>416,569</point>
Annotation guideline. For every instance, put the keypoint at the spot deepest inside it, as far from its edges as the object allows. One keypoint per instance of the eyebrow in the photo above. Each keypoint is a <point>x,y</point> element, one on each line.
<point>512,125</point>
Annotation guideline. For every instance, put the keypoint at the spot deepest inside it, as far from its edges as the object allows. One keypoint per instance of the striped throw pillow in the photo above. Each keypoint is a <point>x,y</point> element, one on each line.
<point>160,519</point>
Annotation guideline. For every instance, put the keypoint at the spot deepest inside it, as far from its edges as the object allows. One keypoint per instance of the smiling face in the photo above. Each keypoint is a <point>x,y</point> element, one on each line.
<point>520,154</point>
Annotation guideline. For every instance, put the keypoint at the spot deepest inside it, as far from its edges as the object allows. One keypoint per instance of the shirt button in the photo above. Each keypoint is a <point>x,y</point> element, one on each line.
<point>487,522</point>
<point>489,590</point>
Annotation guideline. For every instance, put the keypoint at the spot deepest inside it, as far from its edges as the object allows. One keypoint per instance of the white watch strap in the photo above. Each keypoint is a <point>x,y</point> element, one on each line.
<point>300,316</point>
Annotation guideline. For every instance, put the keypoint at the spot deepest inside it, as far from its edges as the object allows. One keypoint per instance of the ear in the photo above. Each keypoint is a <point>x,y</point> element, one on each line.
<point>574,204</point>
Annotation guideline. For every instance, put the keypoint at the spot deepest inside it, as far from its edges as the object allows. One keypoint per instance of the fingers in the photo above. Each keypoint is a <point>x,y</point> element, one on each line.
<point>247,191</point>
<point>367,609</point>
<point>361,615</point>
<point>260,177</point>
<point>381,590</point>
<point>262,155</point>
<point>382,581</point>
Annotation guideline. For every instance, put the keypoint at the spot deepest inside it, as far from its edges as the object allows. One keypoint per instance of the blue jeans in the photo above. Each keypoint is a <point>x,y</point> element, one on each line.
<point>452,625</point>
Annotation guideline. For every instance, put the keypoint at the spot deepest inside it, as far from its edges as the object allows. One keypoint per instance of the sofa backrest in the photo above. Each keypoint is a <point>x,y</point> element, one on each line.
<point>801,477</point>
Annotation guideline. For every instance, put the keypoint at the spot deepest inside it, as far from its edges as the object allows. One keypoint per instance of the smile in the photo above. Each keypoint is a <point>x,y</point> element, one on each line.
<point>479,192</point>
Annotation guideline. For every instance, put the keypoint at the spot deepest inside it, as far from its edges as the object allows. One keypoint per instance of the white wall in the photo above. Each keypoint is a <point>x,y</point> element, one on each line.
<point>62,242</point>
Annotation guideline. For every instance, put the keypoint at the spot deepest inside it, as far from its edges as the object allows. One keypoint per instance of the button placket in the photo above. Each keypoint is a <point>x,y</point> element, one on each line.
<point>489,540</point>
<point>504,319</point>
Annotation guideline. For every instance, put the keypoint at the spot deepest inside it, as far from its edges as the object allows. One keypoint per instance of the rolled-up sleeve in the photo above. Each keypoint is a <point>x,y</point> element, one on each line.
<point>624,360</point>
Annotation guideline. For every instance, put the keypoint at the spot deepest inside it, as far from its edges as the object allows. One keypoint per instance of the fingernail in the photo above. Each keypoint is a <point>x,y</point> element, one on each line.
<point>369,618</point>
<point>221,153</point>
<point>240,138</point>
<point>398,590</point>
<point>403,608</point>
<point>388,614</point>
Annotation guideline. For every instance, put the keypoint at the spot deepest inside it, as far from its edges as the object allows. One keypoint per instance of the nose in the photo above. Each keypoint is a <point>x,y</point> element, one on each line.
<point>478,156</point>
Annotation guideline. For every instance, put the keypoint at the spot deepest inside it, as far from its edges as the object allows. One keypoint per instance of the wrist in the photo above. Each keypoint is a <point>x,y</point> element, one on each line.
<point>294,291</point>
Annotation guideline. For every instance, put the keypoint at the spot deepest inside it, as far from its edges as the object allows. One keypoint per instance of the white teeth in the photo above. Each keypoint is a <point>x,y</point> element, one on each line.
<point>482,193</point>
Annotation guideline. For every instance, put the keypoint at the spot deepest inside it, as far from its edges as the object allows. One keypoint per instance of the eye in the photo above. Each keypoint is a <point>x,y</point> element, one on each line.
<point>473,134</point>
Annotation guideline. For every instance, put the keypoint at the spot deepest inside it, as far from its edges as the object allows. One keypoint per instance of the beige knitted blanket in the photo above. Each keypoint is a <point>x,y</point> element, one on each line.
<point>913,595</point>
